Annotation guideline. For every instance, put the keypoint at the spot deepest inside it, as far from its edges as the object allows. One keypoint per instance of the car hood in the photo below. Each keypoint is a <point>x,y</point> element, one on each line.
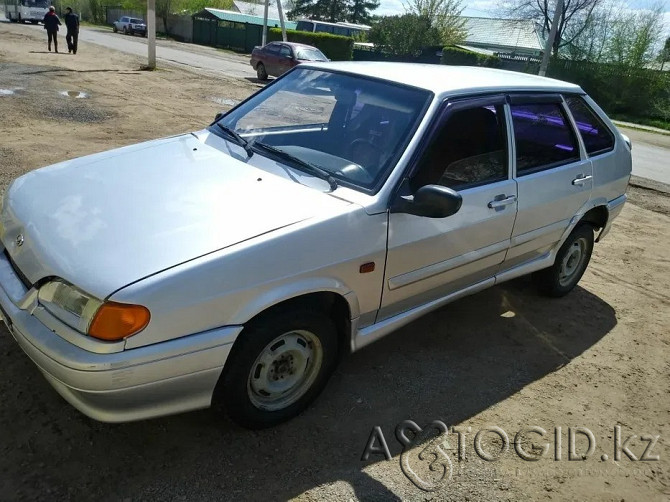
<point>104,221</point>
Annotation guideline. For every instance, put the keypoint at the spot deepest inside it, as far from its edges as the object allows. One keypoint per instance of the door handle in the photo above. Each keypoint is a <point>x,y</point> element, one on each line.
<point>581,179</point>
<point>502,202</point>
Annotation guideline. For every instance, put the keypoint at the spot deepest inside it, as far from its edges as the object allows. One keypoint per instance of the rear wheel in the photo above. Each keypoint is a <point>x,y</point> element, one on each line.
<point>115,29</point>
<point>571,261</point>
<point>277,368</point>
<point>261,73</point>
<point>125,30</point>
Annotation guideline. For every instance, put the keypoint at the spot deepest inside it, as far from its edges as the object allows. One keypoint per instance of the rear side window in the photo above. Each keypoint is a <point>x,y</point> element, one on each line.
<point>543,137</point>
<point>596,135</point>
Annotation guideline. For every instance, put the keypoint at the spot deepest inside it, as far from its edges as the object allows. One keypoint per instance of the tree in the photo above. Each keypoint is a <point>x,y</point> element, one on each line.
<point>445,15</point>
<point>634,37</point>
<point>664,55</point>
<point>404,35</point>
<point>572,21</point>
<point>331,11</point>
<point>360,11</point>
<point>588,40</point>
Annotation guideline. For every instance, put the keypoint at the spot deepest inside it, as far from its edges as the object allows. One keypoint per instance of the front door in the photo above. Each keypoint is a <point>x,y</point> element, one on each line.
<point>429,258</point>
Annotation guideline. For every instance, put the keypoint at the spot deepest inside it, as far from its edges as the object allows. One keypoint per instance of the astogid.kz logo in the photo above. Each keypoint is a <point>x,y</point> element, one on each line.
<point>427,456</point>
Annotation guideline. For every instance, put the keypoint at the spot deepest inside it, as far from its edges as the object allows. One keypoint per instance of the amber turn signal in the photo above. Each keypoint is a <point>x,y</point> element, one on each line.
<point>114,321</point>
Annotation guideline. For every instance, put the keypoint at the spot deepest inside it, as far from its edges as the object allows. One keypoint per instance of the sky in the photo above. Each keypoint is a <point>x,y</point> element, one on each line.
<point>487,8</point>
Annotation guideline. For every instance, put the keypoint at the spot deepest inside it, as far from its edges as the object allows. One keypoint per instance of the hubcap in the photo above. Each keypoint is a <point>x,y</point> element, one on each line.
<point>285,370</point>
<point>572,262</point>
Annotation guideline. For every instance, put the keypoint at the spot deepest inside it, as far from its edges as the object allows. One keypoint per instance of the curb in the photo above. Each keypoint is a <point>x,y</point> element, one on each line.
<point>639,127</point>
<point>647,184</point>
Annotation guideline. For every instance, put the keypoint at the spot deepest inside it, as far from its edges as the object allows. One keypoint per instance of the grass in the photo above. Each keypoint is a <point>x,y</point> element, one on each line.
<point>647,121</point>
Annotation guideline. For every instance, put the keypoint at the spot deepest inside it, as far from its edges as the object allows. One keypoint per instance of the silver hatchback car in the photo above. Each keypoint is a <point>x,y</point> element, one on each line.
<point>233,266</point>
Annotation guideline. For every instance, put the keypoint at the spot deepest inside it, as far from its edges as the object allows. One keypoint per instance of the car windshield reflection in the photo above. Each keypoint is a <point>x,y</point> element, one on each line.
<point>352,127</point>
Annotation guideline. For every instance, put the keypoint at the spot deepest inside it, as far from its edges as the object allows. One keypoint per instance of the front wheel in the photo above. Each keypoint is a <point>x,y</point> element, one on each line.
<point>277,368</point>
<point>571,261</point>
<point>261,73</point>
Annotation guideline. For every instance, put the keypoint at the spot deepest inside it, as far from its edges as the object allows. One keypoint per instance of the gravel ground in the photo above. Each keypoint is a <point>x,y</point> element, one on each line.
<point>597,358</point>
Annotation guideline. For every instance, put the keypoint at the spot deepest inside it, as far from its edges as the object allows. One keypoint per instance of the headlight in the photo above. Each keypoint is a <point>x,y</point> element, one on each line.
<point>86,314</point>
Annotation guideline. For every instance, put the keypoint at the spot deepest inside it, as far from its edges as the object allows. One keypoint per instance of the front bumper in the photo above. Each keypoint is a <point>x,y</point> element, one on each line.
<point>161,379</point>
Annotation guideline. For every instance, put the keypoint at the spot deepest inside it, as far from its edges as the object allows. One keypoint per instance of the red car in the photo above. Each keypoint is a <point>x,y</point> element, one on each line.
<point>276,58</point>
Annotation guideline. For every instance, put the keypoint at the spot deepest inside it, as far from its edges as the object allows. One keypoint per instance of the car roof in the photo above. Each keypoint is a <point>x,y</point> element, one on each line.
<point>295,44</point>
<point>450,79</point>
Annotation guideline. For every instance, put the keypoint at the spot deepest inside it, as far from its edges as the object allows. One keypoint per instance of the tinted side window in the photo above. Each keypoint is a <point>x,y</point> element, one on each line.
<point>543,137</point>
<point>596,135</point>
<point>468,151</point>
<point>272,48</point>
<point>284,51</point>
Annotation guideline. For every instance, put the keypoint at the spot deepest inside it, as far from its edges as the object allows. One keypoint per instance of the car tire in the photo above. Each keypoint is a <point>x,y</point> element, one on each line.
<point>125,30</point>
<point>115,29</point>
<point>261,73</point>
<point>571,261</point>
<point>277,367</point>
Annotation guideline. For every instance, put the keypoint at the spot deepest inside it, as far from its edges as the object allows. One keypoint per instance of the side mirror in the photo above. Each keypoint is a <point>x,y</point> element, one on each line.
<point>431,201</point>
<point>218,116</point>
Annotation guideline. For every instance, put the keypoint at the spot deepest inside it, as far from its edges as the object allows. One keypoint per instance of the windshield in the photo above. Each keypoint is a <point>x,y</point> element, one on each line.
<point>309,54</point>
<point>352,127</point>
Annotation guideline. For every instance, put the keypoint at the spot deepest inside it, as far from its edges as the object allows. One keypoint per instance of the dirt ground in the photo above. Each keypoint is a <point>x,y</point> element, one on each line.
<point>506,357</point>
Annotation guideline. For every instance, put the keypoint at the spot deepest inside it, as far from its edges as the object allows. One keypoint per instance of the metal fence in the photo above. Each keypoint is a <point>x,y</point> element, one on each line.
<point>226,34</point>
<point>114,13</point>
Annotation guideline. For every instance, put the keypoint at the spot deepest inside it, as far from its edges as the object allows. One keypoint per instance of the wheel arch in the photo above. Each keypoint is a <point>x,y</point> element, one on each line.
<point>329,296</point>
<point>596,216</point>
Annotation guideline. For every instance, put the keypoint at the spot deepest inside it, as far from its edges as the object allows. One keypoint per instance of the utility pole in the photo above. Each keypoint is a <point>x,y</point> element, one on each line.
<point>550,40</point>
<point>281,20</point>
<point>264,38</point>
<point>151,33</point>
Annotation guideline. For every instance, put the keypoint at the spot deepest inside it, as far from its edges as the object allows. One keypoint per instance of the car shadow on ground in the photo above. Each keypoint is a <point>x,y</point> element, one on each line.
<point>449,365</point>
<point>258,81</point>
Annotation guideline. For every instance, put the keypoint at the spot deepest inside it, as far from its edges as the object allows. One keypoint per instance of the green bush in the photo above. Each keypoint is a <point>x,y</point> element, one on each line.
<point>618,89</point>
<point>335,47</point>
<point>462,57</point>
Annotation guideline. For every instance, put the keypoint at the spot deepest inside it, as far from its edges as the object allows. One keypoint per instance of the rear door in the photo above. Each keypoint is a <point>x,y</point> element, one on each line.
<point>429,258</point>
<point>553,175</point>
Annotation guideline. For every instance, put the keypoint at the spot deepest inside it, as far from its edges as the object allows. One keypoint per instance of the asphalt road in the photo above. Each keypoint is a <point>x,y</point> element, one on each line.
<point>202,58</point>
<point>651,161</point>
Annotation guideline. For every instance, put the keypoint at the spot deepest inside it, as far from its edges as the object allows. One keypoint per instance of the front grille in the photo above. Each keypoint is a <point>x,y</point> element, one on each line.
<point>18,272</point>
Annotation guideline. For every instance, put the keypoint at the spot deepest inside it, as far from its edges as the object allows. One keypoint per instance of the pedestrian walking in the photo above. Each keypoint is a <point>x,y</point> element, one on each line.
<point>72,25</point>
<point>51,24</point>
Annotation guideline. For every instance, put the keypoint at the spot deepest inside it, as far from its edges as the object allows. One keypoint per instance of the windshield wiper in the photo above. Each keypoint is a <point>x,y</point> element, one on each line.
<point>307,166</point>
<point>235,135</point>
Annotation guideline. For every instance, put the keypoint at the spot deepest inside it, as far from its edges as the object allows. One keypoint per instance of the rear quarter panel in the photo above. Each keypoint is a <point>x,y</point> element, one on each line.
<point>611,170</point>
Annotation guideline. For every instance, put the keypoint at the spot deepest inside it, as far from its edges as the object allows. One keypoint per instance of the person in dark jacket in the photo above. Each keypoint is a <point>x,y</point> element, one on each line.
<point>51,24</point>
<point>72,25</point>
